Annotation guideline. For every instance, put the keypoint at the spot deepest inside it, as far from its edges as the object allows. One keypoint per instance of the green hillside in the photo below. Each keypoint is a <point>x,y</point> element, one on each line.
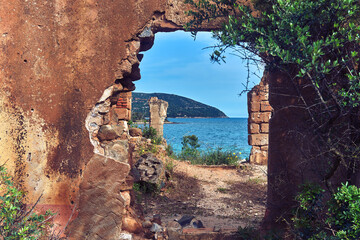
<point>178,106</point>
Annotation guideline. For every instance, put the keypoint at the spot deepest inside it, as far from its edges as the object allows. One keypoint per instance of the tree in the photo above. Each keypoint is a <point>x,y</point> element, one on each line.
<point>313,40</point>
<point>316,44</point>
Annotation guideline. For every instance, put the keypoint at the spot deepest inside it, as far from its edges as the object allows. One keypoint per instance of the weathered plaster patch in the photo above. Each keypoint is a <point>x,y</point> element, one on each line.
<point>25,145</point>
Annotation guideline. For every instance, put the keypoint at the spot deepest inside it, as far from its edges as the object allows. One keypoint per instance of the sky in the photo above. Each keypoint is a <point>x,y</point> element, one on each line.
<point>177,64</point>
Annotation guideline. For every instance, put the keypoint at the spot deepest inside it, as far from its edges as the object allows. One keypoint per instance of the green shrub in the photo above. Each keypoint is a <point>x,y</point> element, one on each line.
<point>146,188</point>
<point>338,218</point>
<point>170,151</point>
<point>17,220</point>
<point>150,133</point>
<point>344,212</point>
<point>131,124</point>
<point>190,152</point>
<point>219,157</point>
<point>169,166</point>
<point>147,148</point>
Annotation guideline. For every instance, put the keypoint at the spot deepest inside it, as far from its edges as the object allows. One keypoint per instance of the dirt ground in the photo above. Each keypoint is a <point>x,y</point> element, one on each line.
<point>220,196</point>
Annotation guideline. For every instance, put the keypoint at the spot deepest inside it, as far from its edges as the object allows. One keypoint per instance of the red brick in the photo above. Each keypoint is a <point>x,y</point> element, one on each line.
<point>254,106</point>
<point>264,128</point>
<point>123,102</point>
<point>265,106</point>
<point>253,128</point>
<point>260,117</point>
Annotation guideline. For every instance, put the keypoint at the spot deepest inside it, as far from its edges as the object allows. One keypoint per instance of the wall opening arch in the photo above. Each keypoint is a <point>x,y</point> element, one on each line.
<point>241,193</point>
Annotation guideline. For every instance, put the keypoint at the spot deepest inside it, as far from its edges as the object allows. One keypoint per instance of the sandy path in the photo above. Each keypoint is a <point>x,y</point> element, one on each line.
<point>218,196</point>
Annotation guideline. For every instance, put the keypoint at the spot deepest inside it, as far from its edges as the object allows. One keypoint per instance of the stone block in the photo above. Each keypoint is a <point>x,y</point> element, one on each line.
<point>125,236</point>
<point>110,132</point>
<point>258,139</point>
<point>260,117</point>
<point>258,156</point>
<point>106,119</point>
<point>253,128</point>
<point>265,106</point>
<point>127,184</point>
<point>254,106</point>
<point>130,224</point>
<point>264,128</point>
<point>126,196</point>
<point>118,150</point>
<point>265,148</point>
<point>125,95</point>
<point>100,208</point>
<point>257,95</point>
<point>121,113</point>
<point>135,132</point>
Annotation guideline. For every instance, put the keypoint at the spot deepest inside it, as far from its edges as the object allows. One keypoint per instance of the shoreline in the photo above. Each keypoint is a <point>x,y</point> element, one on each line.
<point>142,123</point>
<point>169,122</point>
<point>200,117</point>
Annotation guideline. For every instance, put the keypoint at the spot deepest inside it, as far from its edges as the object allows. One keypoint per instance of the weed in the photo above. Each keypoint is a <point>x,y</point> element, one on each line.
<point>169,166</point>
<point>146,188</point>
<point>222,190</point>
<point>144,148</point>
<point>17,220</point>
<point>150,133</point>
<point>170,151</point>
<point>256,180</point>
<point>131,124</point>
<point>248,233</point>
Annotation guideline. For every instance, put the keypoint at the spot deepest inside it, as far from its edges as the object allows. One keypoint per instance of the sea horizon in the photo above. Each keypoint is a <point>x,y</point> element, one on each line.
<point>213,133</point>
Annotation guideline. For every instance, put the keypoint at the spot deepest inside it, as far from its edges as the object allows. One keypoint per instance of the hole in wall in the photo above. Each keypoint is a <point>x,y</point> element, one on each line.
<point>222,197</point>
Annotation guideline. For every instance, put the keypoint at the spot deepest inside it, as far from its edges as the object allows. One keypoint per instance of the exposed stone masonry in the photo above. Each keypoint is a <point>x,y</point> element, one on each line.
<point>258,123</point>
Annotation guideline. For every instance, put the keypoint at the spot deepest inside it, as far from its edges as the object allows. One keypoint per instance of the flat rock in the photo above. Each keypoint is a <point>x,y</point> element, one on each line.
<point>100,206</point>
<point>156,228</point>
<point>135,132</point>
<point>118,150</point>
<point>185,220</point>
<point>110,132</point>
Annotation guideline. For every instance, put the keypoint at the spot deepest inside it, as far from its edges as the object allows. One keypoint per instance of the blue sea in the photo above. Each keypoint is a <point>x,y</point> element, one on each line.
<point>225,133</point>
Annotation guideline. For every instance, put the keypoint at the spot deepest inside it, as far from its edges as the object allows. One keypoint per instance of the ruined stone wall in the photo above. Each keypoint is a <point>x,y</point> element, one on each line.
<point>60,63</point>
<point>66,71</point>
<point>258,122</point>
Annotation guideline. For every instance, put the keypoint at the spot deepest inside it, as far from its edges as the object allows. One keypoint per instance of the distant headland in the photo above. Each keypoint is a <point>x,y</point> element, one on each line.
<point>179,107</point>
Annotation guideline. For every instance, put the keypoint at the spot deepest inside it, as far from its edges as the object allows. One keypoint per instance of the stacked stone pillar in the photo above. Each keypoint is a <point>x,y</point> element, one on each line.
<point>158,112</point>
<point>258,123</point>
